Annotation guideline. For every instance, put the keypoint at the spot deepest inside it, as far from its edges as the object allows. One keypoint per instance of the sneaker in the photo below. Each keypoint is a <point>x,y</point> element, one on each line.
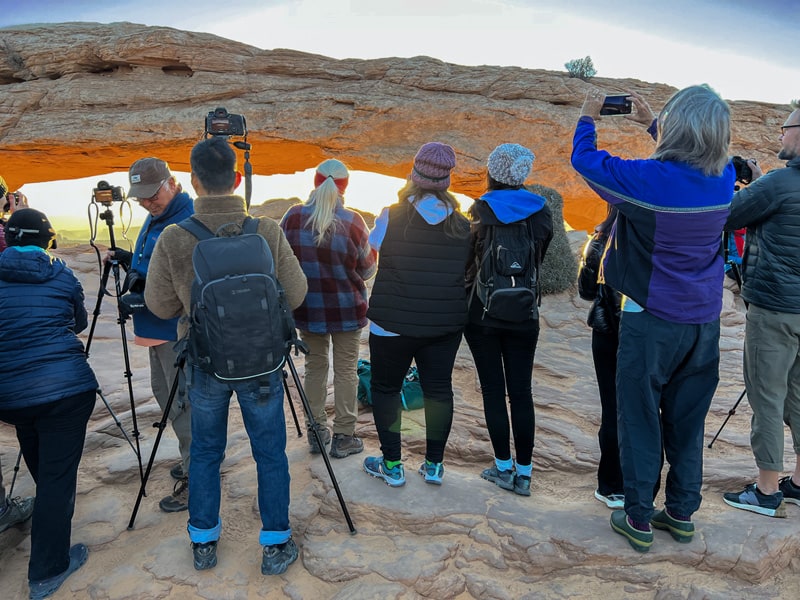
<point>375,466</point>
<point>177,471</point>
<point>791,492</point>
<point>345,445</point>
<point>612,501</point>
<point>205,555</point>
<point>432,472</point>
<point>324,436</point>
<point>638,539</point>
<point>17,510</point>
<point>681,531</point>
<point>753,500</point>
<point>178,500</point>
<point>276,559</point>
<point>505,479</point>
<point>44,588</point>
<point>522,485</point>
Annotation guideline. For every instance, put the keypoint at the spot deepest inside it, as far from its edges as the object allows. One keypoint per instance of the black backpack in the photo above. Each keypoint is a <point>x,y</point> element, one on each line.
<point>240,325</point>
<point>507,280</point>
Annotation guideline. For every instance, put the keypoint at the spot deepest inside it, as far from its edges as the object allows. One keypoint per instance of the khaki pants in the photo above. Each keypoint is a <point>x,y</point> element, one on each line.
<point>345,379</point>
<point>162,374</point>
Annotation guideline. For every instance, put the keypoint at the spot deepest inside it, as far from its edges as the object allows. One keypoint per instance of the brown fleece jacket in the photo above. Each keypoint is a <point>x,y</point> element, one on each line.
<point>170,273</point>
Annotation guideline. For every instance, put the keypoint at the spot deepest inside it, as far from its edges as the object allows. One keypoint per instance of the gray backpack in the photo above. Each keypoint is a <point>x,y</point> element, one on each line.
<point>240,324</point>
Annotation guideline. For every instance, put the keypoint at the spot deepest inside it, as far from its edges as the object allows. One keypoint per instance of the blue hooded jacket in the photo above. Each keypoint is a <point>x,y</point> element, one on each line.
<point>145,323</point>
<point>41,312</point>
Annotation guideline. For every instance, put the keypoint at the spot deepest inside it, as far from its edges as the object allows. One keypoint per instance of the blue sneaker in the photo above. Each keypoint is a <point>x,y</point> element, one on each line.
<point>46,587</point>
<point>375,466</point>
<point>432,472</point>
<point>753,500</point>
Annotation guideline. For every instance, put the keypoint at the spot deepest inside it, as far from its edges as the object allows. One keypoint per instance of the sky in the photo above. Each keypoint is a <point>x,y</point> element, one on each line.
<point>744,49</point>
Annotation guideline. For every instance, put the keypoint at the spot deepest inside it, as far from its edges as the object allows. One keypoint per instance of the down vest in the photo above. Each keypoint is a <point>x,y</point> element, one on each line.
<point>770,209</point>
<point>41,312</point>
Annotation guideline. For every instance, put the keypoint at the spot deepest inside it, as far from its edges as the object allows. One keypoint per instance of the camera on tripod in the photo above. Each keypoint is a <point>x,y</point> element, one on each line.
<point>221,122</point>
<point>106,194</point>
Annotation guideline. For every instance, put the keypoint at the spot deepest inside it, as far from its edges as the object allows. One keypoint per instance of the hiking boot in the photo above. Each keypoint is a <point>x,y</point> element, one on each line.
<point>376,466</point>
<point>44,588</point>
<point>639,540</point>
<point>276,559</point>
<point>751,498</point>
<point>178,500</point>
<point>205,555</point>
<point>504,479</point>
<point>177,471</point>
<point>345,445</point>
<point>324,436</point>
<point>791,492</point>
<point>17,510</point>
<point>432,472</point>
<point>522,485</point>
<point>680,530</point>
<point>612,501</point>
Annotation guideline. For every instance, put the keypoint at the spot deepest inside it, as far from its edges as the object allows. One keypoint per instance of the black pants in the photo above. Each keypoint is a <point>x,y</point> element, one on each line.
<point>390,358</point>
<point>604,354</point>
<point>51,437</point>
<point>504,360</point>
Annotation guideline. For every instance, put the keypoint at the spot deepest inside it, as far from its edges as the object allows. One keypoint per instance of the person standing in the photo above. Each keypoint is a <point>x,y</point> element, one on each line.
<point>664,257</point>
<point>48,390</point>
<point>770,210</point>
<point>168,294</point>
<point>417,310</point>
<point>332,244</point>
<point>159,193</point>
<point>504,350</point>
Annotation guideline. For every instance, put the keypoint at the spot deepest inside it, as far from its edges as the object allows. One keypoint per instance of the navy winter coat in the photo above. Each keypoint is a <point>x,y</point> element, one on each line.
<point>41,312</point>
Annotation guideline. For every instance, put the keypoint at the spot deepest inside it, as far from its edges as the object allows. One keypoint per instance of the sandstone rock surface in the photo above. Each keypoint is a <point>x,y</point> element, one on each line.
<point>84,99</point>
<point>465,540</point>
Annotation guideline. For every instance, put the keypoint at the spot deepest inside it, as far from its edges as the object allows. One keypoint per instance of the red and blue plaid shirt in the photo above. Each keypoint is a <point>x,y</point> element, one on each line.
<point>336,270</point>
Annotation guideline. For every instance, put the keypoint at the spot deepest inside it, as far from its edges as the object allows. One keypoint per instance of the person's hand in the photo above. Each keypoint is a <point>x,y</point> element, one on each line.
<point>592,103</point>
<point>643,113</point>
<point>16,201</point>
<point>755,168</point>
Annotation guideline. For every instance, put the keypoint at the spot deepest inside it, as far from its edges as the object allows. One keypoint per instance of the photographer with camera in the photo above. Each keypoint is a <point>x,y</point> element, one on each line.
<point>9,202</point>
<point>160,194</point>
<point>770,210</point>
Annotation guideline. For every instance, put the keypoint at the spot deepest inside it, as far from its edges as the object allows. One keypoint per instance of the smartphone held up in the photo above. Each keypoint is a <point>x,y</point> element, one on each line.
<point>616,105</point>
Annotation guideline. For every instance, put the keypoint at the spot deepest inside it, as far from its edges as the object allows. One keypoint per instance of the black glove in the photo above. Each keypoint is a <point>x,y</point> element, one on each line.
<point>131,304</point>
<point>123,257</point>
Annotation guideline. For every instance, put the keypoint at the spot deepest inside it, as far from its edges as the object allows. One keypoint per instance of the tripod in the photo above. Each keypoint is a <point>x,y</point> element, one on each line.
<point>112,265</point>
<point>163,422</point>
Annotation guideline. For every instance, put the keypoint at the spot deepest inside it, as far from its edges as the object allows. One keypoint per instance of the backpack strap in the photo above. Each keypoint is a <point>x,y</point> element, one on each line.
<point>196,228</point>
<point>250,225</point>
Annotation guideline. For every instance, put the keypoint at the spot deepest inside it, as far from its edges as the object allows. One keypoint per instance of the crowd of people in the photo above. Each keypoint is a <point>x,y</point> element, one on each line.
<point>656,289</point>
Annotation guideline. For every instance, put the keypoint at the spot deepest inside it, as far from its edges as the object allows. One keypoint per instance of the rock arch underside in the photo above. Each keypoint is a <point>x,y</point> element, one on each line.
<point>83,99</point>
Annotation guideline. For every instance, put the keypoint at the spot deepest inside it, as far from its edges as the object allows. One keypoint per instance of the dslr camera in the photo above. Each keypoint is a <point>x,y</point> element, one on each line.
<point>221,122</point>
<point>743,171</point>
<point>107,194</point>
<point>8,198</point>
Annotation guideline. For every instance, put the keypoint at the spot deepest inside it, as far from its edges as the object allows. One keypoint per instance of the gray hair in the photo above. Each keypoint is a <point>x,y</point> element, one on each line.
<point>695,128</point>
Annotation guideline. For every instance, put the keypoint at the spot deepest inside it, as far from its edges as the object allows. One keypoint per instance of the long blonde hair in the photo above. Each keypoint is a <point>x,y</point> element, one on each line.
<point>324,197</point>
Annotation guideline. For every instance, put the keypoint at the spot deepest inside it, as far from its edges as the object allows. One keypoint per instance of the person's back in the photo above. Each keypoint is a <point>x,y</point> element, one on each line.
<point>169,294</point>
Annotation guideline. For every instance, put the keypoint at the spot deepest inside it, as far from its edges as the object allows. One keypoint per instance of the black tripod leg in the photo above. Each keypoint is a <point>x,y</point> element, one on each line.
<point>160,426</point>
<point>731,412</point>
<point>117,422</point>
<point>96,312</point>
<point>291,404</point>
<point>314,430</point>
<point>14,478</point>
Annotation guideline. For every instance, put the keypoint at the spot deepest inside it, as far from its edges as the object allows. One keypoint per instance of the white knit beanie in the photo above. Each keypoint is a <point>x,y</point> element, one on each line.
<point>510,164</point>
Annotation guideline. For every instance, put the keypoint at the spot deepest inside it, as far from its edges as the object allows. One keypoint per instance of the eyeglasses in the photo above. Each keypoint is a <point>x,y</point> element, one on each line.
<point>154,196</point>
<point>785,127</point>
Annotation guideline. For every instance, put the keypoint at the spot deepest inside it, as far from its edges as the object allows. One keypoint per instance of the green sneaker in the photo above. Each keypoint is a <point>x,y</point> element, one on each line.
<point>638,539</point>
<point>681,531</point>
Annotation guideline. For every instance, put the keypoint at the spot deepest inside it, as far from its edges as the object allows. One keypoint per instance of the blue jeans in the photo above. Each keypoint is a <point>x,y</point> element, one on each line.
<point>262,412</point>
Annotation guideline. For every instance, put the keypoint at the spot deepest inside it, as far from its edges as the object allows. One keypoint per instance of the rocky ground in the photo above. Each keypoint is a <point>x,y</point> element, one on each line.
<point>466,539</point>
